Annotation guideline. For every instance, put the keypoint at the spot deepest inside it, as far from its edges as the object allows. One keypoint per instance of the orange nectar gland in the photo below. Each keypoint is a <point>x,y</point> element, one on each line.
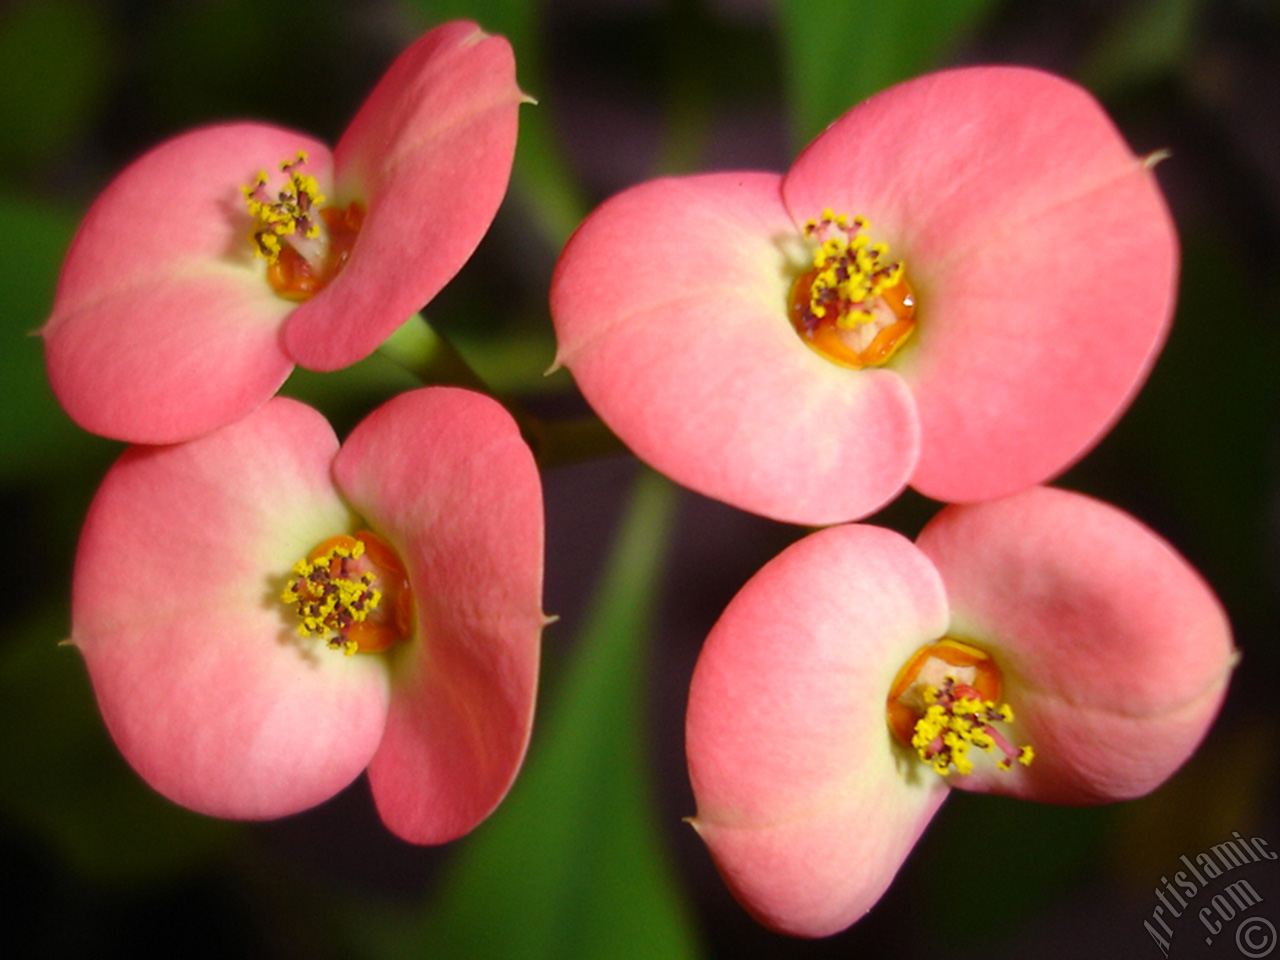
<point>943,700</point>
<point>853,306</point>
<point>304,243</point>
<point>352,591</point>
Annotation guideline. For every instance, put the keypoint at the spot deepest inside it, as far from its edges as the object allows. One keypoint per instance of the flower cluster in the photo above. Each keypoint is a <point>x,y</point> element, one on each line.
<point>223,257</point>
<point>210,665</point>
<point>266,613</point>
<point>958,286</point>
<point>1035,265</point>
<point>813,693</point>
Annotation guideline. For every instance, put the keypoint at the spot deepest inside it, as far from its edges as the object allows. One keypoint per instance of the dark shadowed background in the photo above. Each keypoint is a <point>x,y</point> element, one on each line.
<point>589,857</point>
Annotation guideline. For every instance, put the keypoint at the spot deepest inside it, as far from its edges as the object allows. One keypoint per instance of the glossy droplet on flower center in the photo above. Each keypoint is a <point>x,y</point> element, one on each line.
<point>853,305</point>
<point>353,593</point>
<point>304,242</point>
<point>944,700</point>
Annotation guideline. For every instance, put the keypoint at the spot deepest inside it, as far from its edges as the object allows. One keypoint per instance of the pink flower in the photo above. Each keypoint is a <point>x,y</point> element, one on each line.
<point>199,605</point>
<point>1052,629</point>
<point>196,282</point>
<point>980,244</point>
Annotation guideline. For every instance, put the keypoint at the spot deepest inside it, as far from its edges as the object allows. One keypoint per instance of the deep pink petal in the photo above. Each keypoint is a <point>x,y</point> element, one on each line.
<point>1115,653</point>
<point>200,675</point>
<point>1042,254</point>
<point>670,309</point>
<point>164,327</point>
<point>444,476</point>
<point>429,154</point>
<point>807,804</point>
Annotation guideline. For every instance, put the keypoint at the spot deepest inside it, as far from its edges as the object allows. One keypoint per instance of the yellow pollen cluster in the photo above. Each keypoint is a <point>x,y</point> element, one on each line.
<point>954,720</point>
<point>850,272</point>
<point>293,212</point>
<point>328,600</point>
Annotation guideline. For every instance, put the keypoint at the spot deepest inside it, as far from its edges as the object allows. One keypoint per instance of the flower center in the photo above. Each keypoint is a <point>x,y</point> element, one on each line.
<point>304,243</point>
<point>943,701</point>
<point>353,592</point>
<point>853,306</point>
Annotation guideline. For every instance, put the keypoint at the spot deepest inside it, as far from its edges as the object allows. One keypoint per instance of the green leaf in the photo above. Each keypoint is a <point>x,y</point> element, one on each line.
<point>55,56</point>
<point>541,177</point>
<point>64,781</point>
<point>571,864</point>
<point>839,52</point>
<point>514,19</point>
<point>1144,43</point>
<point>35,435</point>
<point>277,61</point>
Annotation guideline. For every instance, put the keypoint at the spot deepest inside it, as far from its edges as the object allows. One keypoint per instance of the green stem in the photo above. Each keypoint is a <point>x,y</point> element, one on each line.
<point>418,347</point>
<point>421,350</point>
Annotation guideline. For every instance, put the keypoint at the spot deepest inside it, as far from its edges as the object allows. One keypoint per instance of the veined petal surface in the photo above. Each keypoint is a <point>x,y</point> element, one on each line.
<point>1114,652</point>
<point>429,155</point>
<point>670,305</point>
<point>201,677</point>
<point>1041,252</point>
<point>163,326</point>
<point>444,476</point>
<point>807,805</point>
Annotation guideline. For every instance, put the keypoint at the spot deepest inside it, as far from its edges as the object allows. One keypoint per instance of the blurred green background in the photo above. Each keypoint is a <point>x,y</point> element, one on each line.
<point>588,857</point>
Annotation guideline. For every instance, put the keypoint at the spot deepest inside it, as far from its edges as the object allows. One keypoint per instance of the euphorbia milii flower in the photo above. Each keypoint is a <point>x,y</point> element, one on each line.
<point>959,285</point>
<point>221,258</point>
<point>264,615</point>
<point>1045,646</point>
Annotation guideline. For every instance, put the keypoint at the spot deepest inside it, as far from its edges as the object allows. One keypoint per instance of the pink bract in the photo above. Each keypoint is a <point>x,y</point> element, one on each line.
<point>199,671</point>
<point>164,326</point>
<point>1043,262</point>
<point>1114,654</point>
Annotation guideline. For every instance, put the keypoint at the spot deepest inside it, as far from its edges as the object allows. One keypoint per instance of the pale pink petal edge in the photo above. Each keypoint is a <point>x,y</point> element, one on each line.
<point>429,155</point>
<point>670,310</point>
<point>1042,255</point>
<point>163,327</point>
<point>1116,653</point>
<point>445,477</point>
<point>808,806</point>
<point>202,680</point>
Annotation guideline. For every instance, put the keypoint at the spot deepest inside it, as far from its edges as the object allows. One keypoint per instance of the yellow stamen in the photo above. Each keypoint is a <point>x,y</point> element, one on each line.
<point>945,700</point>
<point>853,305</point>
<point>328,599</point>
<point>353,592</point>
<point>304,242</point>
